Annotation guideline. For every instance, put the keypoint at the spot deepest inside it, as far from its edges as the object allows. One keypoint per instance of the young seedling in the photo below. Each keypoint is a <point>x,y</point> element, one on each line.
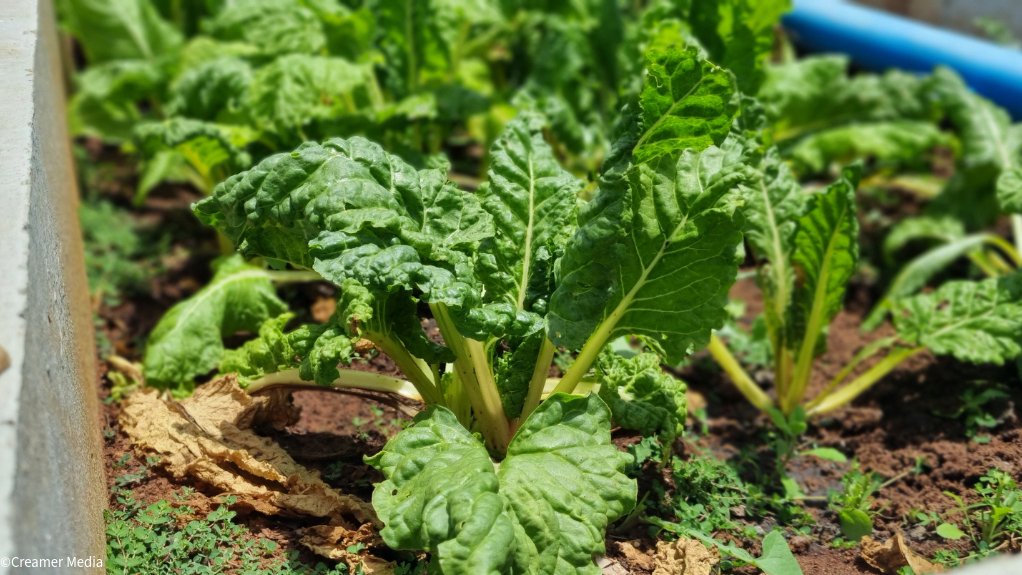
<point>503,471</point>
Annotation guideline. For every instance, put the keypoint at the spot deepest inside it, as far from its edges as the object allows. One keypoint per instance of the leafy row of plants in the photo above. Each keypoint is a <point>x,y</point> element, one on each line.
<point>635,154</point>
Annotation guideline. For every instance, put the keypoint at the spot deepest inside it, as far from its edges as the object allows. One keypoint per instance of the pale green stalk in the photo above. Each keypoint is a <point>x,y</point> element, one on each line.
<point>862,383</point>
<point>539,378</point>
<point>472,368</point>
<point>726,360</point>
<point>349,379</point>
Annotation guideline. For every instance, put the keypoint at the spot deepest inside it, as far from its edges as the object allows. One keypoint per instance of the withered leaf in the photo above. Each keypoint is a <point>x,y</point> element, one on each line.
<point>894,554</point>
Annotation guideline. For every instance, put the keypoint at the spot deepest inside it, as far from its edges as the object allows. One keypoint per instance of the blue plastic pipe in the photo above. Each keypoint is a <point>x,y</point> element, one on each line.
<point>877,40</point>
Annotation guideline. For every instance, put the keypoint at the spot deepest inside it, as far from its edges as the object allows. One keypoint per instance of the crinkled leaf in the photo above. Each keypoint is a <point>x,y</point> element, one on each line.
<point>990,147</point>
<point>564,482</point>
<point>1009,190</point>
<point>686,103</point>
<point>294,94</point>
<point>812,95</point>
<point>653,256</point>
<point>533,202</point>
<point>212,91</point>
<point>275,26</point>
<point>188,340</point>
<point>109,30</point>
<point>105,104</point>
<point>903,144</point>
<point>204,147</point>
<point>974,321</point>
<point>774,204</point>
<point>422,40</point>
<point>543,512</point>
<point>739,35</point>
<point>270,352</point>
<point>655,251</point>
<point>825,255</point>
<point>641,395</point>
<point>351,211</point>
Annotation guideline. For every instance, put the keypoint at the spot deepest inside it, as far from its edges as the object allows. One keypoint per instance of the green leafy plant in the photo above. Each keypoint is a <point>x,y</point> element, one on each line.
<point>994,518</point>
<point>507,274</point>
<point>167,537</point>
<point>854,503</point>
<point>806,247</point>
<point>973,410</point>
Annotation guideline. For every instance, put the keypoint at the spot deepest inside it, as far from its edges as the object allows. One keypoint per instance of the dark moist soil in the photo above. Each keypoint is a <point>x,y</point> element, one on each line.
<point>902,419</point>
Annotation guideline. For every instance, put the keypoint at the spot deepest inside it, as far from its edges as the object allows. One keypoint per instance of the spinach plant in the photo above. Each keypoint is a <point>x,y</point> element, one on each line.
<point>503,471</point>
<point>806,249</point>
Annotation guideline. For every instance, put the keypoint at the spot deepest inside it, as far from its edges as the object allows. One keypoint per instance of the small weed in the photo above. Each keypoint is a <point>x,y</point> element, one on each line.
<point>854,503</point>
<point>994,521</point>
<point>974,410</point>
<point>164,538</point>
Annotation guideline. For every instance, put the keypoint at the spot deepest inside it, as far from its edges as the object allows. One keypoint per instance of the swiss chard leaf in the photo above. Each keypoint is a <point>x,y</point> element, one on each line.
<point>655,250</point>
<point>213,91</point>
<point>533,203</point>
<point>111,30</point>
<point>544,511</point>
<point>739,35</point>
<point>641,396</point>
<point>826,252</point>
<point>188,340</point>
<point>275,27</point>
<point>685,104</point>
<point>299,96</point>
<point>210,150</point>
<point>977,322</point>
<point>105,104</point>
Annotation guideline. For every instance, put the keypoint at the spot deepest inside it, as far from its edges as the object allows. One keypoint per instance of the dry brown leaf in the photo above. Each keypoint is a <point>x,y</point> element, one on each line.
<point>634,556</point>
<point>206,437</point>
<point>894,554</point>
<point>5,360</point>
<point>333,542</point>
<point>684,557</point>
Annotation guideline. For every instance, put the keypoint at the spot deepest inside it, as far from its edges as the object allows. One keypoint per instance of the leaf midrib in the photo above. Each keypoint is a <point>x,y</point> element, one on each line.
<point>527,256</point>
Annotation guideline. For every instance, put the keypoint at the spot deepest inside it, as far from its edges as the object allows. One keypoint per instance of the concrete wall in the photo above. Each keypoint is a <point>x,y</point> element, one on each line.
<point>958,14</point>
<point>52,488</point>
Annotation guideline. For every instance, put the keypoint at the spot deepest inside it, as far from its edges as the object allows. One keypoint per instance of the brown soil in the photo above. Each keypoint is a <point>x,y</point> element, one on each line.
<point>901,419</point>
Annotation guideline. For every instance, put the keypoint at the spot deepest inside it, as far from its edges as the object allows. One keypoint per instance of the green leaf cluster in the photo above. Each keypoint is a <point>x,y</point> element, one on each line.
<point>508,273</point>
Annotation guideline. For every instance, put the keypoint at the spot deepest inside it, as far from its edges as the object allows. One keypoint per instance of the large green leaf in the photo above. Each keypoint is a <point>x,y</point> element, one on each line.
<point>297,97</point>
<point>655,252</point>
<point>351,211</point>
<point>275,27</point>
<point>825,255</point>
<point>188,340</point>
<point>902,144</point>
<point>738,34</point>
<point>105,104</point>
<point>544,512</point>
<point>813,95</point>
<point>424,41</point>
<point>686,103</point>
<point>974,321</point>
<point>641,395</point>
<point>212,91</point>
<point>111,30</point>
<point>210,150</point>
<point>315,350</point>
<point>774,204</point>
<point>533,202</point>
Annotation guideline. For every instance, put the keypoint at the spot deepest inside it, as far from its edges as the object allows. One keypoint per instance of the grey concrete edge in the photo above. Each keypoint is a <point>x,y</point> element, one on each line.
<point>52,486</point>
